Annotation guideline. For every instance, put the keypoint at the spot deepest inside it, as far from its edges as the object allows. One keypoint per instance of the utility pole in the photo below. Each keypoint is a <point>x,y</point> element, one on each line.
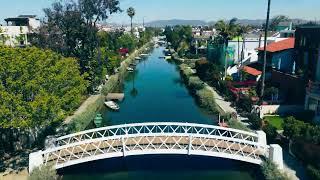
<point>265,52</point>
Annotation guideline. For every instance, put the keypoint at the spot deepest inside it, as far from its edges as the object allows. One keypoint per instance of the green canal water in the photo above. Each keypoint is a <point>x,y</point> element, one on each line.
<point>156,93</point>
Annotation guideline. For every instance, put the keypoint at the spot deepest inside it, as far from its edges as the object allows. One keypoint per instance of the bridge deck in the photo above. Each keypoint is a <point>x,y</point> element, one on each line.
<point>150,138</point>
<point>96,148</point>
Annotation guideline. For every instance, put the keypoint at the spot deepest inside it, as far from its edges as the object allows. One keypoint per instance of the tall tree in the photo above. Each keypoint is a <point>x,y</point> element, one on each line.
<point>98,10</point>
<point>227,30</point>
<point>71,29</point>
<point>265,51</point>
<point>131,13</point>
<point>38,87</point>
<point>241,31</point>
<point>275,21</point>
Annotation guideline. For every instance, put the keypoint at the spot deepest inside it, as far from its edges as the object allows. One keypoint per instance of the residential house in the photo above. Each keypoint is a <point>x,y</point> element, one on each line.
<point>308,60</point>
<point>280,55</point>
<point>281,71</point>
<point>17,30</point>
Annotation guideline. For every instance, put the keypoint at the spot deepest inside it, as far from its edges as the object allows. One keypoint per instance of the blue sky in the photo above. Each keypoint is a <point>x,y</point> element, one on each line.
<point>183,9</point>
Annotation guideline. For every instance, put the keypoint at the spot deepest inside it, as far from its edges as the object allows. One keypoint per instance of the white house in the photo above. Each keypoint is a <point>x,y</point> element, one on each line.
<point>16,30</point>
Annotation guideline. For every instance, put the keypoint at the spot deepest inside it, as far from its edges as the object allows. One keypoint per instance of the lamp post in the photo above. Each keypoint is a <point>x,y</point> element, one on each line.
<point>265,52</point>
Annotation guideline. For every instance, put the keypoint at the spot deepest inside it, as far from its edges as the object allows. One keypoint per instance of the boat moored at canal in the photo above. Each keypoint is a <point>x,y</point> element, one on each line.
<point>112,105</point>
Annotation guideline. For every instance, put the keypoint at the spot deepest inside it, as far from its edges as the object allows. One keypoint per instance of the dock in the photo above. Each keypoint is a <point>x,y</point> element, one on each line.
<point>115,96</point>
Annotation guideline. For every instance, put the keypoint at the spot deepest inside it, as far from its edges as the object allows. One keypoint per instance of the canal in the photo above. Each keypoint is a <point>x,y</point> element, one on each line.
<point>155,92</point>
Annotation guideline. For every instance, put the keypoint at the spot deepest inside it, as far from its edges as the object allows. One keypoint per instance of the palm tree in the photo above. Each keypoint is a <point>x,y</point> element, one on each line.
<point>227,30</point>
<point>265,52</point>
<point>241,31</point>
<point>131,12</point>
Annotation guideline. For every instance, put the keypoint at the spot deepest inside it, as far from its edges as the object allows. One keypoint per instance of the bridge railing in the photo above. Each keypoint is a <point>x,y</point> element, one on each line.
<point>151,128</point>
<point>158,143</point>
<point>153,138</point>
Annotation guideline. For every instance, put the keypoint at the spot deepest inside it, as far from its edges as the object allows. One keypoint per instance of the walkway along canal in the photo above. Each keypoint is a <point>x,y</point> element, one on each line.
<point>155,92</point>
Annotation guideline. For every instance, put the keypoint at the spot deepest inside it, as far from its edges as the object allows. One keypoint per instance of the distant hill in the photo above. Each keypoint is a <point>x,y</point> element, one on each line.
<point>174,22</point>
<point>260,22</point>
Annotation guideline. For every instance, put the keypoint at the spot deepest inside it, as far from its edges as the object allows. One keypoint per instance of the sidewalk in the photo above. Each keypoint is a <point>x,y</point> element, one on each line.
<point>223,105</point>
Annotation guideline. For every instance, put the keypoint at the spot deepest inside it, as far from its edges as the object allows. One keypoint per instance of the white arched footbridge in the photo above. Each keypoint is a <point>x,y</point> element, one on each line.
<point>156,138</point>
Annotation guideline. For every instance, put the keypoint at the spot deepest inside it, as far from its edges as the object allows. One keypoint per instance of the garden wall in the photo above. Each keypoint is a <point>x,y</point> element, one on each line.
<point>277,109</point>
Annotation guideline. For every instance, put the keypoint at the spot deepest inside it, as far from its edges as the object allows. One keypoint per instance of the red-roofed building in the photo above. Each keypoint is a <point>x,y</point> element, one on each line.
<point>252,73</point>
<point>280,45</point>
<point>280,56</point>
<point>280,70</point>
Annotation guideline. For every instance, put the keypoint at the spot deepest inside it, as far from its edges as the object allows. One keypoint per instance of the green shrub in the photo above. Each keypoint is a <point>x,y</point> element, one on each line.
<point>237,125</point>
<point>206,99</point>
<point>245,104</point>
<point>43,173</point>
<point>195,83</point>
<point>296,129</point>
<point>255,121</point>
<point>38,87</point>
<point>271,171</point>
<point>186,71</point>
<point>271,132</point>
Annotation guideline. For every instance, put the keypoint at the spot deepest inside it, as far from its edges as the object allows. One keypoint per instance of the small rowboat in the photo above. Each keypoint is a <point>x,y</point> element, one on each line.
<point>133,64</point>
<point>112,105</point>
<point>130,69</point>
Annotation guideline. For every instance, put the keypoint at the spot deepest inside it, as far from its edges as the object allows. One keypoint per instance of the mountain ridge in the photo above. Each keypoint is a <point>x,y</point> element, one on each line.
<point>173,22</point>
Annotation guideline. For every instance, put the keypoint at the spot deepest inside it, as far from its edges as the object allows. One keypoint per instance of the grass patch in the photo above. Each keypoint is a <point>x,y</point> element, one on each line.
<point>275,121</point>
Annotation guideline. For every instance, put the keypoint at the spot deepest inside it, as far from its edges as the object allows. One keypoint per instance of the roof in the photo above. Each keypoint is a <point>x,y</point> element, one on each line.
<point>20,17</point>
<point>280,45</point>
<point>251,71</point>
<point>27,16</point>
<point>17,19</point>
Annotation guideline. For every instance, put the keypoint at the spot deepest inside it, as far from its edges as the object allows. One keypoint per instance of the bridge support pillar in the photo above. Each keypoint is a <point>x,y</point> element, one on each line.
<point>123,147</point>
<point>35,160</point>
<point>275,155</point>
<point>262,138</point>
<point>190,145</point>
